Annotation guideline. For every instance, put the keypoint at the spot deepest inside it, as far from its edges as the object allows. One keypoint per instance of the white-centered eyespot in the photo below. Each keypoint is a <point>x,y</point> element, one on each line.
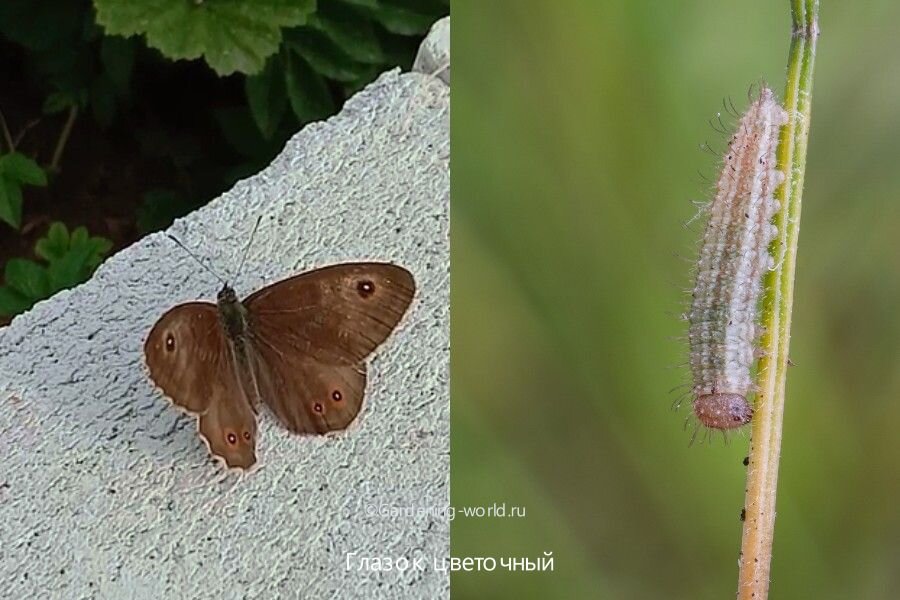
<point>734,256</point>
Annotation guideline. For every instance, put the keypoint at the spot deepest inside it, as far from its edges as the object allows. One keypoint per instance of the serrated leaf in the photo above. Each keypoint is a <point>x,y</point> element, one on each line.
<point>410,17</point>
<point>27,277</point>
<point>266,96</point>
<point>18,167</point>
<point>12,302</point>
<point>10,202</point>
<point>117,57</point>
<point>352,32</point>
<point>307,91</point>
<point>70,270</point>
<point>323,55</point>
<point>54,245</point>
<point>232,35</point>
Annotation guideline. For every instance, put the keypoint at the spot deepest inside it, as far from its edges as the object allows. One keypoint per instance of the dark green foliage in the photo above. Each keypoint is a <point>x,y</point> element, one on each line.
<point>70,260</point>
<point>16,170</point>
<point>140,87</point>
<point>160,207</point>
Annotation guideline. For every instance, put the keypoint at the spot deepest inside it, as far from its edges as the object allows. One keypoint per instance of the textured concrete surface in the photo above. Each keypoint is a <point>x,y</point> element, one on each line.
<point>434,53</point>
<point>107,492</point>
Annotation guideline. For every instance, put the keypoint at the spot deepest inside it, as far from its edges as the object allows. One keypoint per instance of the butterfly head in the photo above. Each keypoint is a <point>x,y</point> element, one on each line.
<point>226,296</point>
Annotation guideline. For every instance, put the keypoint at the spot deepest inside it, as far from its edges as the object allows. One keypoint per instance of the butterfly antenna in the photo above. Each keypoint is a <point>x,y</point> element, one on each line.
<point>247,249</point>
<point>192,255</point>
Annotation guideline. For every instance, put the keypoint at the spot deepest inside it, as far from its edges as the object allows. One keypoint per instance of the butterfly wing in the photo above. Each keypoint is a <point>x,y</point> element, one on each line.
<point>184,347</point>
<point>311,334</point>
<point>190,359</point>
<point>308,396</point>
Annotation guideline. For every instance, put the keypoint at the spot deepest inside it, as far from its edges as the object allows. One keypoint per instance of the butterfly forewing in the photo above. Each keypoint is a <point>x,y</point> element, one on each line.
<point>335,315</point>
<point>183,349</point>
<point>190,359</point>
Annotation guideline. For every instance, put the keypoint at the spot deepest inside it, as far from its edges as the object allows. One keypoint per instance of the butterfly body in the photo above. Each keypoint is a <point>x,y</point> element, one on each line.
<point>232,313</point>
<point>298,346</point>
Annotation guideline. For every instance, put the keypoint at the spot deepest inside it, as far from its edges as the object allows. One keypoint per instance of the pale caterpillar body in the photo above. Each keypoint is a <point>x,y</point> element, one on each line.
<point>734,256</point>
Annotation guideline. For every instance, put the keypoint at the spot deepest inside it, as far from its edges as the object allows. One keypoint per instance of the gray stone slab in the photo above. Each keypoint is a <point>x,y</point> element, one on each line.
<point>107,492</point>
<point>434,53</point>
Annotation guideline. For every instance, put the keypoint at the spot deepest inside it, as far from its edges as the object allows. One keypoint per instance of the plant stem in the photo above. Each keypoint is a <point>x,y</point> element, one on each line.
<point>765,445</point>
<point>6,134</point>
<point>63,139</point>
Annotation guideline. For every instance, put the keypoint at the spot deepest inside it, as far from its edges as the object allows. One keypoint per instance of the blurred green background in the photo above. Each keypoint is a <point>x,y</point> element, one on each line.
<point>575,138</point>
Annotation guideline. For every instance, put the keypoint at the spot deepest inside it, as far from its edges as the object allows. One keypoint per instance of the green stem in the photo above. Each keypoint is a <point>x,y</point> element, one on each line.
<point>63,139</point>
<point>778,299</point>
<point>6,134</point>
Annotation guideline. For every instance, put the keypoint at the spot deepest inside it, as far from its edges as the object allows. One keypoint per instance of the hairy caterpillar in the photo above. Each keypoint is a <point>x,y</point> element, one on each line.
<point>734,256</point>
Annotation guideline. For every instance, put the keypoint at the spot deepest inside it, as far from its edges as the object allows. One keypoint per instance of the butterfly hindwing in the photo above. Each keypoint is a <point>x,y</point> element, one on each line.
<point>229,425</point>
<point>306,395</point>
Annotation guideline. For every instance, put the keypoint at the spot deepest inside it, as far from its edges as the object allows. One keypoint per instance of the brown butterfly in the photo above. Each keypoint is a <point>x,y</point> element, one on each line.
<point>298,346</point>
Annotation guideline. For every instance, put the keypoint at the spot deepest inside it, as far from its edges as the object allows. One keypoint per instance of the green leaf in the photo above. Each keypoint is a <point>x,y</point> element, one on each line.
<point>99,246</point>
<point>70,270</point>
<point>79,237</point>
<point>55,244</point>
<point>13,302</point>
<point>322,54</point>
<point>307,91</point>
<point>20,168</point>
<point>406,17</point>
<point>242,134</point>
<point>267,97</point>
<point>362,3</point>
<point>27,277</point>
<point>10,202</point>
<point>232,35</point>
<point>60,101</point>
<point>352,32</point>
<point>71,260</point>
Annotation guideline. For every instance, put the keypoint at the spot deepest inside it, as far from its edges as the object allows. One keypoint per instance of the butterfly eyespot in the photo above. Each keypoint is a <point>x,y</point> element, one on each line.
<point>365,288</point>
<point>247,435</point>
<point>170,342</point>
<point>317,407</point>
<point>231,438</point>
<point>336,396</point>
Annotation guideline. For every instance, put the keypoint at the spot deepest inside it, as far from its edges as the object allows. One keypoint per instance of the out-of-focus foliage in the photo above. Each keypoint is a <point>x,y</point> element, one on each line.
<point>185,128</point>
<point>575,134</point>
<point>231,35</point>
<point>70,259</point>
<point>16,170</point>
